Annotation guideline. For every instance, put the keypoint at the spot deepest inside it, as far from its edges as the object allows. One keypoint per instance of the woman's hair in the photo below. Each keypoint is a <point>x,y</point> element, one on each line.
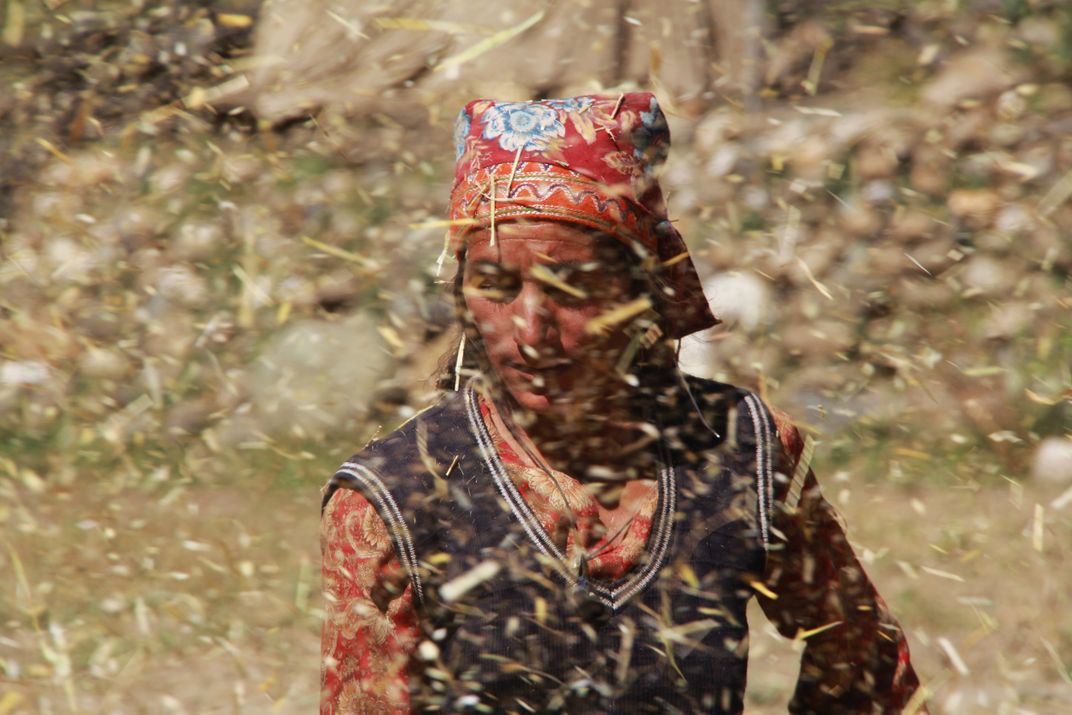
<point>644,274</point>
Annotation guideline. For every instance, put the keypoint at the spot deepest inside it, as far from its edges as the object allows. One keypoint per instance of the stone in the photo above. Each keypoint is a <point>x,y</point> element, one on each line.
<point>140,224</point>
<point>739,298</point>
<point>859,219</point>
<point>976,206</point>
<point>973,74</point>
<point>932,256</point>
<point>930,170</point>
<point>1007,320</point>
<point>1014,220</point>
<point>316,375</point>
<point>910,225</point>
<point>198,240</point>
<point>188,418</point>
<point>1053,461</point>
<point>85,170</point>
<point>988,276</point>
<point>237,169</point>
<point>104,364</point>
<point>876,160</point>
<point>180,284</point>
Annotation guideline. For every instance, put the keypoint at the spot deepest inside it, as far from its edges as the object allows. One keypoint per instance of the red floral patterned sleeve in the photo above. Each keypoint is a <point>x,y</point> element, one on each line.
<point>856,659</point>
<point>370,624</point>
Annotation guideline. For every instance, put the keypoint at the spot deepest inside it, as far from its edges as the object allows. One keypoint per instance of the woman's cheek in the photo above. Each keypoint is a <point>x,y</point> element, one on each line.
<point>573,329</point>
<point>478,309</point>
<point>490,319</point>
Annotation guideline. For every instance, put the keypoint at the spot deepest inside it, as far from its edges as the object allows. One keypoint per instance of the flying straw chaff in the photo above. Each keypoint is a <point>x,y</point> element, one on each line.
<point>499,38</point>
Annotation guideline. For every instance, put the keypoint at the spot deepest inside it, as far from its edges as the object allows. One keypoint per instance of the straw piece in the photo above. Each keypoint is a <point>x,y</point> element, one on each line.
<point>1056,196</point>
<point>676,259</point>
<point>340,252</point>
<point>476,198</point>
<point>814,281</point>
<point>493,210</point>
<point>458,364</point>
<point>51,149</point>
<point>622,313</point>
<point>546,275</point>
<point>954,657</point>
<point>490,43</point>
<point>803,635</point>
<point>443,254</point>
<point>762,588</point>
<point>423,25</point>
<point>800,474</point>
<point>459,585</point>
<point>513,171</point>
<point>439,223</point>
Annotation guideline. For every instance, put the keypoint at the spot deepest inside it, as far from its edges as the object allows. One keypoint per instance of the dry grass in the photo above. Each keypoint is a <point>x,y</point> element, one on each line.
<point>192,599</point>
<point>960,570</point>
<point>205,598</point>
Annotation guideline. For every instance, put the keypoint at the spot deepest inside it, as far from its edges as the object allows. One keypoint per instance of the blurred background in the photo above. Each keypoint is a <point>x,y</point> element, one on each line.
<point>218,249</point>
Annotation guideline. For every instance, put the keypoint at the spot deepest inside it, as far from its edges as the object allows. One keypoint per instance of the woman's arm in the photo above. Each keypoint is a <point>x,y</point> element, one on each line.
<point>370,624</point>
<point>856,656</point>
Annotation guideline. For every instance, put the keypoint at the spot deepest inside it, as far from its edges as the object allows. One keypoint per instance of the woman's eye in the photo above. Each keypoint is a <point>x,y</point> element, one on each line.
<point>493,286</point>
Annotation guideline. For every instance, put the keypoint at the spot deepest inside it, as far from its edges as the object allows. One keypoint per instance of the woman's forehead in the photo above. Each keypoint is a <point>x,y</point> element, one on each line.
<point>517,242</point>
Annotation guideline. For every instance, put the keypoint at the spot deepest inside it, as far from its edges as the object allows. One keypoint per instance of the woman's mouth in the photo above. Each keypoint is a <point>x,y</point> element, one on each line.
<point>543,366</point>
<point>540,373</point>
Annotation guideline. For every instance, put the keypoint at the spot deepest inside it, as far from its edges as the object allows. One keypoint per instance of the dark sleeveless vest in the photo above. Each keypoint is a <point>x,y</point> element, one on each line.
<point>510,626</point>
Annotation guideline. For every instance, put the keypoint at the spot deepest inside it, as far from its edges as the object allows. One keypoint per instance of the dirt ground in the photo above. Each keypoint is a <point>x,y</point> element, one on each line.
<point>204,599</point>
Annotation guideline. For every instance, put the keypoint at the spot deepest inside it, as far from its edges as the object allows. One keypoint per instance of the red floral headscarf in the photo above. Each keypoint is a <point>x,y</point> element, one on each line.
<point>590,160</point>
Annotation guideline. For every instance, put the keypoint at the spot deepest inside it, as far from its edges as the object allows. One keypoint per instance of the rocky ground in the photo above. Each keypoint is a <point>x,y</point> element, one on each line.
<point>203,309</point>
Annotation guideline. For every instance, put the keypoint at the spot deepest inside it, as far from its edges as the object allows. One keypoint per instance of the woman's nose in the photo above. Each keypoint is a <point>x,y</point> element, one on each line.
<point>532,320</point>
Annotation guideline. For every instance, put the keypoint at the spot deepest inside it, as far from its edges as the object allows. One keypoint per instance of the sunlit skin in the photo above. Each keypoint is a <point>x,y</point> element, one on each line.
<point>532,296</point>
<point>560,377</point>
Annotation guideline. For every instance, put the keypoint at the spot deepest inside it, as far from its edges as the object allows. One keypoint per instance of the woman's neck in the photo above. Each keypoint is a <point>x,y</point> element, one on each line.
<point>609,442</point>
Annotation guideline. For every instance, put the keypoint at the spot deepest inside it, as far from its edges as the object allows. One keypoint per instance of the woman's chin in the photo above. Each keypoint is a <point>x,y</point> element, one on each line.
<point>532,401</point>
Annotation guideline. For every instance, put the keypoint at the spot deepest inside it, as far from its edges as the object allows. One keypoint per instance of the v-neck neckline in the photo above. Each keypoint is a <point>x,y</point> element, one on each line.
<point>614,594</point>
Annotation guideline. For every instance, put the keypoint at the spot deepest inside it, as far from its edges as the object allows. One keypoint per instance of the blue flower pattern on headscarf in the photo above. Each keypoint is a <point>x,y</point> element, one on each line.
<point>461,133</point>
<point>650,138</point>
<point>522,124</point>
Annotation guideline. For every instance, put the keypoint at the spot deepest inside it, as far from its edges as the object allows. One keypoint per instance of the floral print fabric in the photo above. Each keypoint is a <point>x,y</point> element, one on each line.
<point>370,623</point>
<point>522,125</point>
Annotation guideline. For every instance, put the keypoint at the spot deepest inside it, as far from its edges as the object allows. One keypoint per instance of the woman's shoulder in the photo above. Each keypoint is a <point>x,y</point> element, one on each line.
<point>750,405</point>
<point>410,457</point>
<point>439,425</point>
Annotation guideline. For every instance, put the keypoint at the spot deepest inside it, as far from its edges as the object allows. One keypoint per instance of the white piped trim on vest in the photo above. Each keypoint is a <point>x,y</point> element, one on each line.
<point>764,469</point>
<point>614,598</point>
<point>392,516</point>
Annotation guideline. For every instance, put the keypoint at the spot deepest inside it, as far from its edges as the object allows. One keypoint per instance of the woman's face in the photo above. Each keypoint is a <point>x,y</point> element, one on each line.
<point>532,296</point>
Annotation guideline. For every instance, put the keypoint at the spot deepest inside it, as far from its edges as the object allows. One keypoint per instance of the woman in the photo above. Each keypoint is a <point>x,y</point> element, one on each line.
<point>577,526</point>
